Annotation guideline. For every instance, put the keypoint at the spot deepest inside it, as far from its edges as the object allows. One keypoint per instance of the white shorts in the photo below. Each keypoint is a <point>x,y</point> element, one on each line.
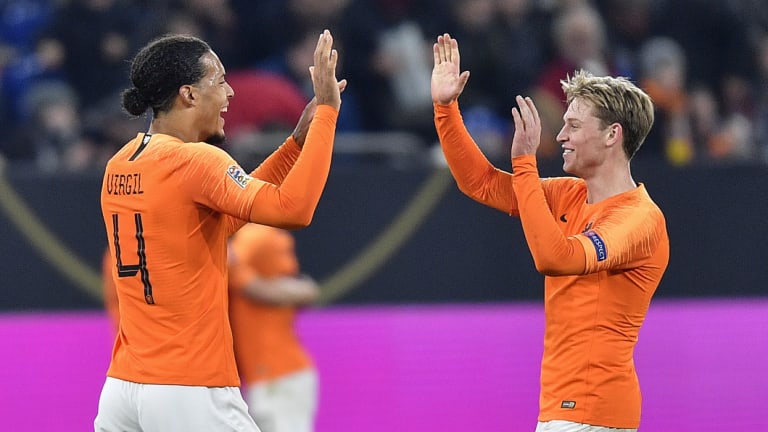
<point>126,406</point>
<point>286,404</point>
<point>567,426</point>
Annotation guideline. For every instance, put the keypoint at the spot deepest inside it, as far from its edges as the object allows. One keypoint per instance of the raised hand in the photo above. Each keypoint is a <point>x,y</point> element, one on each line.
<point>527,127</point>
<point>447,79</point>
<point>323,72</point>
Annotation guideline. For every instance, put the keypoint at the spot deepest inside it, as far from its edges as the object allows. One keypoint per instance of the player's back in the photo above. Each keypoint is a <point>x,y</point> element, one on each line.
<point>170,273</point>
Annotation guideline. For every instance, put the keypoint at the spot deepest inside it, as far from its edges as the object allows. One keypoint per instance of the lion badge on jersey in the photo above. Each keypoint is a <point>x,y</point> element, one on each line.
<point>239,175</point>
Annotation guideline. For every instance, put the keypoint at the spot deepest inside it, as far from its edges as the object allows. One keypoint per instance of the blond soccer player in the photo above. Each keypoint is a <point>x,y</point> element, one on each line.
<point>597,236</point>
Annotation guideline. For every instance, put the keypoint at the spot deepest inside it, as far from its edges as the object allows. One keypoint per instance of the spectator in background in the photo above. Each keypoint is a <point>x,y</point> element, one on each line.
<point>38,42</point>
<point>712,34</point>
<point>663,75</point>
<point>760,90</point>
<point>737,129</point>
<point>723,136</point>
<point>280,104</point>
<point>273,23</point>
<point>521,32</point>
<point>95,38</point>
<point>290,65</point>
<point>20,24</point>
<point>402,57</point>
<point>390,76</point>
<point>578,34</point>
<point>266,292</point>
<point>23,73</point>
<point>52,137</point>
<point>86,43</point>
<point>628,25</point>
<point>218,23</point>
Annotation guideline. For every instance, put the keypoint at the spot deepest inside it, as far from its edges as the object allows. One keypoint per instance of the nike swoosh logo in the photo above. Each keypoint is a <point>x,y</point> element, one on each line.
<point>562,218</point>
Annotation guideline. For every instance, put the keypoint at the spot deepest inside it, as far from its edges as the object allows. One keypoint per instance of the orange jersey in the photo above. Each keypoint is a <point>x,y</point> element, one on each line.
<point>169,208</point>
<point>610,257</point>
<point>266,344</point>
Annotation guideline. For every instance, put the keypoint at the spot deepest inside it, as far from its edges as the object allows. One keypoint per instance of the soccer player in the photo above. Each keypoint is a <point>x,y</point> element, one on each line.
<point>170,200</point>
<point>597,237</point>
<point>266,292</point>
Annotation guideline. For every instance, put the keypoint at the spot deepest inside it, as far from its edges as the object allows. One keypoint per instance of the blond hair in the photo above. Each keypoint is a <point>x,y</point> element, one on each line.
<point>615,100</point>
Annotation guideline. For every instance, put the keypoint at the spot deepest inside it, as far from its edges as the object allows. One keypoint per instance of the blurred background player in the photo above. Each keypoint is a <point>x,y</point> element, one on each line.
<point>109,291</point>
<point>266,290</point>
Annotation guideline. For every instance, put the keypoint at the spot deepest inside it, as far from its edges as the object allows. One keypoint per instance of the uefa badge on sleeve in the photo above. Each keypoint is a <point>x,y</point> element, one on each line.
<point>239,175</point>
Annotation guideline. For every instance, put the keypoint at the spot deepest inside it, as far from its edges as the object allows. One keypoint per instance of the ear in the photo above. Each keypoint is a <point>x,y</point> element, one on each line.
<point>187,94</point>
<point>615,134</point>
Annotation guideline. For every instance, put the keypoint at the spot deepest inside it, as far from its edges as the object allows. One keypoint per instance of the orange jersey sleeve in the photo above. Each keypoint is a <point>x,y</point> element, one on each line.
<point>630,229</point>
<point>279,163</point>
<point>474,174</point>
<point>553,252</point>
<point>292,204</point>
<point>272,170</point>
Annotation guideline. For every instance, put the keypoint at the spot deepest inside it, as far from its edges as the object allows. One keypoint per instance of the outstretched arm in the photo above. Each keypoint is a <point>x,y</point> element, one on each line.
<point>225,187</point>
<point>474,174</point>
<point>279,163</point>
<point>292,204</point>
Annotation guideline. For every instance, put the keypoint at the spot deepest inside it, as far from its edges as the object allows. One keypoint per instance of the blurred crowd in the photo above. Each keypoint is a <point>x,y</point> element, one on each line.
<point>63,65</point>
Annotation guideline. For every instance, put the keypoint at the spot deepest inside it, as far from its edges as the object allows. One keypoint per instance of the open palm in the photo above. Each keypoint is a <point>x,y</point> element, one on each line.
<point>447,79</point>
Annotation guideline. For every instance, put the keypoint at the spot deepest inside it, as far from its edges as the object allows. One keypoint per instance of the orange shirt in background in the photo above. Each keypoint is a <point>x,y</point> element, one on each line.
<point>617,250</point>
<point>108,290</point>
<point>266,344</point>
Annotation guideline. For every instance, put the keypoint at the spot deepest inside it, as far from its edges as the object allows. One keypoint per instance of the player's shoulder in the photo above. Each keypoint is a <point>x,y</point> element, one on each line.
<point>564,185</point>
<point>641,199</point>
<point>176,152</point>
<point>565,181</point>
<point>124,152</point>
<point>637,207</point>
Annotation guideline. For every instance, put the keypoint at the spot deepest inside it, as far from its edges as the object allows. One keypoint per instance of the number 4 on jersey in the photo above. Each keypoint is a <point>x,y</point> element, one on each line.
<point>131,270</point>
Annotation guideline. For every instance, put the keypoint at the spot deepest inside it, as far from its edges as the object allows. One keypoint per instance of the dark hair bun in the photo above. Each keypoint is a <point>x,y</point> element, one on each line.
<point>134,102</point>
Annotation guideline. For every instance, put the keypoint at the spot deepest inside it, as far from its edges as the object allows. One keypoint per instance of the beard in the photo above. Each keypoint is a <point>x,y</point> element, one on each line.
<point>217,140</point>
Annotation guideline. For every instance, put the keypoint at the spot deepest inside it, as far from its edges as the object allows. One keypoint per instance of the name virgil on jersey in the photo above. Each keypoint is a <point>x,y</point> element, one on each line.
<point>124,184</point>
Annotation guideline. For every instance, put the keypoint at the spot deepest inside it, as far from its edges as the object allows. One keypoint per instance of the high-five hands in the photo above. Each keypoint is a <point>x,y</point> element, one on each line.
<point>447,79</point>
<point>527,127</point>
<point>323,74</point>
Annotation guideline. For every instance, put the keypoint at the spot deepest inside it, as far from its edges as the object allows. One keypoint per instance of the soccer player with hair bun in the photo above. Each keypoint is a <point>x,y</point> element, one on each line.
<point>170,200</point>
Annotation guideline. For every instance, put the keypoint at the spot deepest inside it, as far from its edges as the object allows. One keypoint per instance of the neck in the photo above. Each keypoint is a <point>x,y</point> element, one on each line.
<point>609,182</point>
<point>174,125</point>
